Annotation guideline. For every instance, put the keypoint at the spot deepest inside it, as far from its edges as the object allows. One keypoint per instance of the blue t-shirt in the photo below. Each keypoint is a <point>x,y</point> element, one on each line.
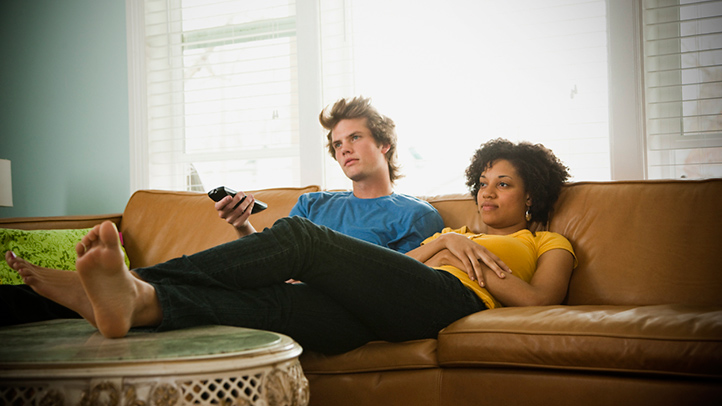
<point>397,221</point>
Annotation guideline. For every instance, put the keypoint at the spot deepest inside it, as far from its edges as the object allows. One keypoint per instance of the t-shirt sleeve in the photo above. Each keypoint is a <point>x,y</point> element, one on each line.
<point>552,241</point>
<point>429,224</point>
<point>301,207</point>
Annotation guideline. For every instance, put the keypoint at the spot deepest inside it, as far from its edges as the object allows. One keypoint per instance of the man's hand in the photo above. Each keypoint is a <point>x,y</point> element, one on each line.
<point>236,210</point>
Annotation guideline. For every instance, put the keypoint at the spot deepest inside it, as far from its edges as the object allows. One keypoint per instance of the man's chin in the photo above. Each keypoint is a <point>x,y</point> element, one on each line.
<point>351,172</point>
<point>355,177</point>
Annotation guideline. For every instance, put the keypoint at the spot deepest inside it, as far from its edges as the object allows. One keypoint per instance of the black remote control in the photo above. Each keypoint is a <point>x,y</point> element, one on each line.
<point>221,191</point>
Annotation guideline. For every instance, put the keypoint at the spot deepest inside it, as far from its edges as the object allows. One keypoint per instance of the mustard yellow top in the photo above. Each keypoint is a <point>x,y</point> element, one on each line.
<point>519,251</point>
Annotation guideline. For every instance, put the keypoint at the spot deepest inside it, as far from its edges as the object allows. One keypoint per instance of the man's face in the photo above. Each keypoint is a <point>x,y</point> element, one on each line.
<point>356,150</point>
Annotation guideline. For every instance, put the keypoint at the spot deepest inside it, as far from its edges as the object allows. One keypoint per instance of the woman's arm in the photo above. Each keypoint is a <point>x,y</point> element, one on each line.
<point>458,250</point>
<point>548,286</point>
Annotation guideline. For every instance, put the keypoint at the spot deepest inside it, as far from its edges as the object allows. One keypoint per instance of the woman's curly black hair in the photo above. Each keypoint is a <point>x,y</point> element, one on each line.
<point>541,171</point>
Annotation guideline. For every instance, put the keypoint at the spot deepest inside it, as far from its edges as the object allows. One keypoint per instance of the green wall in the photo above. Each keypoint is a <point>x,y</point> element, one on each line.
<point>64,106</point>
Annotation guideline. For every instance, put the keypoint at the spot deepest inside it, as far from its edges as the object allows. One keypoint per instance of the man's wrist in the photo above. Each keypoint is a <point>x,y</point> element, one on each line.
<point>245,229</point>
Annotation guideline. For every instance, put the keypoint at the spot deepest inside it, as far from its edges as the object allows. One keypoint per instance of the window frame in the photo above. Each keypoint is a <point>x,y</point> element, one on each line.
<point>628,149</point>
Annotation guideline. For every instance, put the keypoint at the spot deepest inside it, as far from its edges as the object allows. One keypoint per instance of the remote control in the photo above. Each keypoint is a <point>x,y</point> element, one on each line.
<point>220,192</point>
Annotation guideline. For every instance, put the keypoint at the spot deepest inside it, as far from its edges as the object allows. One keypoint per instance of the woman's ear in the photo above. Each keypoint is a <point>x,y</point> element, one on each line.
<point>528,200</point>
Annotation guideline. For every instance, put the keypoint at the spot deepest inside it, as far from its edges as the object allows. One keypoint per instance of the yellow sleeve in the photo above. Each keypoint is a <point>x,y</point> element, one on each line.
<point>551,241</point>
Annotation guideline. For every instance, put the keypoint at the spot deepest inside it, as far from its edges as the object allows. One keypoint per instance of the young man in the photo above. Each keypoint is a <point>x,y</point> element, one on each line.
<point>363,142</point>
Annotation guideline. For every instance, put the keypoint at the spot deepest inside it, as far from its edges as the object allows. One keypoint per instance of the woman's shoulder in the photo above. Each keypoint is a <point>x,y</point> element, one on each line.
<point>543,238</point>
<point>548,240</point>
<point>549,235</point>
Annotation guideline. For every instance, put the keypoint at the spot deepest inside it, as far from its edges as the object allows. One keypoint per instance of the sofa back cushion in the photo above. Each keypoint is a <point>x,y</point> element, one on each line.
<point>643,242</point>
<point>457,210</point>
<point>161,225</point>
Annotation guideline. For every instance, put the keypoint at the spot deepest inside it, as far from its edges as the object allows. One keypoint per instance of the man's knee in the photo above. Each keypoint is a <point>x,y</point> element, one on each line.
<point>295,223</point>
<point>300,231</point>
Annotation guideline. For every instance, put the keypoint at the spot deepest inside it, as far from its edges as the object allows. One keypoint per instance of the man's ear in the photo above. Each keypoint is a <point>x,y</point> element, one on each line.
<point>385,148</point>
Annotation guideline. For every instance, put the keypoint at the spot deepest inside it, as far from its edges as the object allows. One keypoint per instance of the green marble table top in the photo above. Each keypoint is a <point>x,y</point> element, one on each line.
<point>76,341</point>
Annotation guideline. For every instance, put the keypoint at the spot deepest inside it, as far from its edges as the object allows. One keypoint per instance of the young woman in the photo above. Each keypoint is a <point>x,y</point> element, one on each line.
<point>353,292</point>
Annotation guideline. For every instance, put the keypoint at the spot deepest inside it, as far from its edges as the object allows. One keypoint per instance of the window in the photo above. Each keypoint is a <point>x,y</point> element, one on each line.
<point>233,88</point>
<point>455,74</point>
<point>222,94</point>
<point>683,83</point>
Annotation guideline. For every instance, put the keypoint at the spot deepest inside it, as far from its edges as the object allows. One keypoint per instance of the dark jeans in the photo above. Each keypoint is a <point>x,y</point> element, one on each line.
<point>20,304</point>
<point>353,291</point>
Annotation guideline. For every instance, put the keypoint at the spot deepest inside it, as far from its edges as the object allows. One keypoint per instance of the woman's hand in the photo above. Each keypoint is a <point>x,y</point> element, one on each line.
<point>472,256</point>
<point>236,210</point>
<point>459,251</point>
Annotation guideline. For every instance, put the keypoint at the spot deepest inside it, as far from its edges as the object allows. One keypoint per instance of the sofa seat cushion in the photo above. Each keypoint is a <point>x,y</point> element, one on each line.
<point>374,356</point>
<point>665,339</point>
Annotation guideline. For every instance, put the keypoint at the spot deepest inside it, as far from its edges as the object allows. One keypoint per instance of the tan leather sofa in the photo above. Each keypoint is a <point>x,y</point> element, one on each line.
<point>641,324</point>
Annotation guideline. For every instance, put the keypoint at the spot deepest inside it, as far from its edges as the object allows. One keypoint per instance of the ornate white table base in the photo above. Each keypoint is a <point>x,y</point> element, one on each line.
<point>209,365</point>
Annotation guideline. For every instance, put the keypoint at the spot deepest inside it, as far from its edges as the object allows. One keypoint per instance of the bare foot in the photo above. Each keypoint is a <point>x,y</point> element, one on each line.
<point>119,300</point>
<point>58,285</point>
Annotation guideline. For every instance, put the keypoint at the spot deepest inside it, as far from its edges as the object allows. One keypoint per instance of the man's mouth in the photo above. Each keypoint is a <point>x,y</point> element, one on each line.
<point>350,161</point>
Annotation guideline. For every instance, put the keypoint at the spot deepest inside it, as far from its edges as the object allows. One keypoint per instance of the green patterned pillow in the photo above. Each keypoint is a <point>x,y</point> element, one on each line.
<point>46,248</point>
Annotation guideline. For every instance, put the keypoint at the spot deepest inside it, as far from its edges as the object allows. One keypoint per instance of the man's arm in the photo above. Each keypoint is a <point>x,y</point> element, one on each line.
<point>300,208</point>
<point>236,210</point>
<point>417,229</point>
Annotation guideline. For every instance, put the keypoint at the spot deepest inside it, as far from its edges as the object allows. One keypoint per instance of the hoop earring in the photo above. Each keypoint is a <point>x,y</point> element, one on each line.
<point>528,214</point>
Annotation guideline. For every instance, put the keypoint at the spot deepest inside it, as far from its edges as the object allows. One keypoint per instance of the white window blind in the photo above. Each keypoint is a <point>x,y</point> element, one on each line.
<point>683,81</point>
<point>222,94</point>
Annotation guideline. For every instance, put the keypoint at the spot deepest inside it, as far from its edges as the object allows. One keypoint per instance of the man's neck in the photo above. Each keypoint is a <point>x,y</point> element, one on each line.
<point>372,190</point>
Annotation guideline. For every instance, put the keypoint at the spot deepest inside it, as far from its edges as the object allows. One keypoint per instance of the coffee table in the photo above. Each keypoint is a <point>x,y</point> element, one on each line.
<point>67,362</point>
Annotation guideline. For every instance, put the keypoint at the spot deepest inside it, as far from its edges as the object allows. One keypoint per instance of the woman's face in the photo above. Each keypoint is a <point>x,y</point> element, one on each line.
<point>502,199</point>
